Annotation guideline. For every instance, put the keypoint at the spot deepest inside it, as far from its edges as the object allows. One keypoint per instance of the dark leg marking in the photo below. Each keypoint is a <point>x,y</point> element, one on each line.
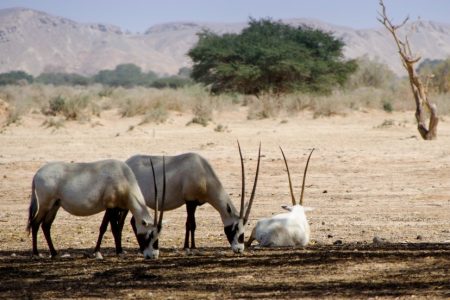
<point>115,216</point>
<point>46,226</point>
<point>34,230</point>
<point>191,206</point>
<point>102,230</point>
<point>117,222</point>
<point>133,225</point>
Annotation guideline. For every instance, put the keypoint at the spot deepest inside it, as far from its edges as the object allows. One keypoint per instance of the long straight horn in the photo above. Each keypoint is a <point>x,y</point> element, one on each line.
<point>241,212</point>
<point>304,177</point>
<point>156,193</point>
<point>247,213</point>
<point>163,196</point>
<point>289,177</point>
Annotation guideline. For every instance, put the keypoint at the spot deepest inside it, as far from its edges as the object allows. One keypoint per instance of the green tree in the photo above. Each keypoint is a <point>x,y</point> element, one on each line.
<point>270,56</point>
<point>15,77</point>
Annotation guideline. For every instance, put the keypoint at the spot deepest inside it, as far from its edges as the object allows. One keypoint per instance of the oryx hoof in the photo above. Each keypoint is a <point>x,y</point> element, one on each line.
<point>37,256</point>
<point>121,254</point>
<point>98,255</point>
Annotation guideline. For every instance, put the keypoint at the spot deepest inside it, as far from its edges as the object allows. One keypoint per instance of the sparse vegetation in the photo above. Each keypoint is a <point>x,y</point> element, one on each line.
<point>155,105</point>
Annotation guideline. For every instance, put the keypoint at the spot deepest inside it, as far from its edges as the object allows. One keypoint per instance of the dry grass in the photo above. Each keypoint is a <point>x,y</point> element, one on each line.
<point>155,105</point>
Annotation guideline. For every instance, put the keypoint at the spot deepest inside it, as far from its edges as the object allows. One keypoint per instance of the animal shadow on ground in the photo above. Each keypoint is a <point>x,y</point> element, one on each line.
<point>348,270</point>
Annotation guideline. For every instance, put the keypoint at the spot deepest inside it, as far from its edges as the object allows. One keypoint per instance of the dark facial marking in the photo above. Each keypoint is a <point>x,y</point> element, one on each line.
<point>230,232</point>
<point>156,245</point>
<point>241,238</point>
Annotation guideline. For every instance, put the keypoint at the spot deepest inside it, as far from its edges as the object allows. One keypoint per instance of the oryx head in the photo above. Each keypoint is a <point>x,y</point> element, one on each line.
<point>235,231</point>
<point>297,208</point>
<point>149,241</point>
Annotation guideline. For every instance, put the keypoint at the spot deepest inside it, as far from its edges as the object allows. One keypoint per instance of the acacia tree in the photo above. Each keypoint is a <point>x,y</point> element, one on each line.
<point>270,56</point>
<point>420,91</point>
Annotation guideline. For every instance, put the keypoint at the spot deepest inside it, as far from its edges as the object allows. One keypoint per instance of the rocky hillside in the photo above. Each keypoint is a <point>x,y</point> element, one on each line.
<point>34,41</point>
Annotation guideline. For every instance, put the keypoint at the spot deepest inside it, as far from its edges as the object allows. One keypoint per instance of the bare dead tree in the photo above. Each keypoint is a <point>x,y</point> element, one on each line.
<point>420,91</point>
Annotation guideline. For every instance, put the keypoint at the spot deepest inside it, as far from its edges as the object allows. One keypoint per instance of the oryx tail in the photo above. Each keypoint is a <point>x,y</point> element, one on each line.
<point>34,207</point>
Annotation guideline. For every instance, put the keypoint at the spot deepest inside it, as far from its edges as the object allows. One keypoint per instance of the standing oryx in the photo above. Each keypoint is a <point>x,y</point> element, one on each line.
<point>84,189</point>
<point>192,181</point>
<point>287,229</point>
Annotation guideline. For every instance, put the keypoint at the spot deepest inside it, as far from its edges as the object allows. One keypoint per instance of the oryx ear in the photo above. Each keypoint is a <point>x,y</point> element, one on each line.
<point>229,209</point>
<point>286,207</point>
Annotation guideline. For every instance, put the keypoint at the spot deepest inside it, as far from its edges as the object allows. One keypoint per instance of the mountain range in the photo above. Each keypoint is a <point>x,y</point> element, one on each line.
<point>37,42</point>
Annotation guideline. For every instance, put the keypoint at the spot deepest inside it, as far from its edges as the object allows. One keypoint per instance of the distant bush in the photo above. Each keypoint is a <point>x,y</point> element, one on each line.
<point>15,77</point>
<point>440,71</point>
<point>63,79</point>
<point>126,75</point>
<point>371,73</point>
<point>173,82</point>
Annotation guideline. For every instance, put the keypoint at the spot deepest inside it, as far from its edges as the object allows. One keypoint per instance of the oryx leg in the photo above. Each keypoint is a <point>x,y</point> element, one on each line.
<point>117,222</point>
<point>47,224</point>
<point>191,206</point>
<point>133,225</point>
<point>102,230</point>
<point>115,216</point>
<point>34,230</point>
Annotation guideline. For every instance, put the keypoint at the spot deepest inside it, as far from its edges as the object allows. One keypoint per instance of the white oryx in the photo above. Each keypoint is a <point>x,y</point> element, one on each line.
<point>286,229</point>
<point>84,189</point>
<point>192,181</point>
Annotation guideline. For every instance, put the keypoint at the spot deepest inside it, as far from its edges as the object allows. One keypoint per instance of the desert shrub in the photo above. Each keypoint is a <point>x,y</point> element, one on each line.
<point>371,73</point>
<point>264,106</point>
<point>387,106</point>
<point>71,108</point>
<point>13,117</point>
<point>202,111</point>
<point>52,122</point>
<point>440,71</point>
<point>158,114</point>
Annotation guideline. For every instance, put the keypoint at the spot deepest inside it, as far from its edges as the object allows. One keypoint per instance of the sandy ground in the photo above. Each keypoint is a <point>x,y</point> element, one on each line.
<point>370,176</point>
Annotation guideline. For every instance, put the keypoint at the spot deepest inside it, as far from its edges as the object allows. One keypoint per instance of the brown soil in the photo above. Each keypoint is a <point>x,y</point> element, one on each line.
<point>369,177</point>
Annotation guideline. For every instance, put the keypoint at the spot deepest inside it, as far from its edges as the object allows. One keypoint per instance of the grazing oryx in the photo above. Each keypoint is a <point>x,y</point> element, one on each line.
<point>287,229</point>
<point>84,189</point>
<point>193,182</point>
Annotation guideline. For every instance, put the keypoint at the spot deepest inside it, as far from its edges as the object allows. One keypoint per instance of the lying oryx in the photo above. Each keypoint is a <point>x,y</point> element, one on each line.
<point>84,189</point>
<point>287,229</point>
<point>193,182</point>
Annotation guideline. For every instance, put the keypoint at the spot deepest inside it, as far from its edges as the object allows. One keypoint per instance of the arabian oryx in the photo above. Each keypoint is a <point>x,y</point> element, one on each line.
<point>192,181</point>
<point>286,229</point>
<point>84,189</point>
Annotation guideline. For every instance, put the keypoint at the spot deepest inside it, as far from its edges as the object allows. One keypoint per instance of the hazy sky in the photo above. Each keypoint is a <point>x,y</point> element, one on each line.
<point>138,15</point>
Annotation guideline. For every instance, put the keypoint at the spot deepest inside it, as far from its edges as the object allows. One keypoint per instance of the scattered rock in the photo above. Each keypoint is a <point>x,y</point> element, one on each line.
<point>338,242</point>
<point>378,240</point>
<point>330,236</point>
<point>419,237</point>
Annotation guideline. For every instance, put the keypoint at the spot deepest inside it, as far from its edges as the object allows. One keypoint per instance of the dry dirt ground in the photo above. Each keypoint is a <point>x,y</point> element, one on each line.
<point>371,176</point>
